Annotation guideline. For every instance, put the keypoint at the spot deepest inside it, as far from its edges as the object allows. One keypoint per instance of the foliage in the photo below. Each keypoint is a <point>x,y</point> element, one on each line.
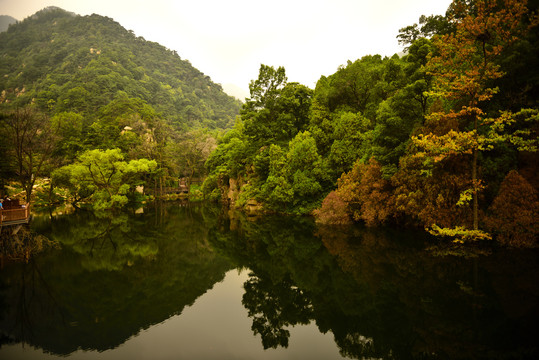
<point>104,177</point>
<point>333,210</point>
<point>80,83</point>
<point>514,212</point>
<point>423,139</point>
<point>464,69</point>
<point>460,234</point>
<point>30,141</point>
<point>428,191</point>
<point>67,62</point>
<point>368,196</point>
<point>195,147</point>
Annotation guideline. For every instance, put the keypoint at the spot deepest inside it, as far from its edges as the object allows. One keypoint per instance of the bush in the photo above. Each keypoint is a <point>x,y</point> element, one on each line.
<point>334,210</point>
<point>514,212</point>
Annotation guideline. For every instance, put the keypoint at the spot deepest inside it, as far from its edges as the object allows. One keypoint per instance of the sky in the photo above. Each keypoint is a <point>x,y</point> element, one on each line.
<point>229,39</point>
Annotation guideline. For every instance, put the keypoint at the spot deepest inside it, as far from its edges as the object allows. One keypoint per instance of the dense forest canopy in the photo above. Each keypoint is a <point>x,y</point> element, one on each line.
<point>435,138</point>
<point>73,84</point>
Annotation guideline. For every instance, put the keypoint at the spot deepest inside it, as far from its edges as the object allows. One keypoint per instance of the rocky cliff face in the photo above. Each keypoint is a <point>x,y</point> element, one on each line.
<point>233,192</point>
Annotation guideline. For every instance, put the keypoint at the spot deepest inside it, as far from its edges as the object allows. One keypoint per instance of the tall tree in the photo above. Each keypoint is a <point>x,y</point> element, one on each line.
<point>265,89</point>
<point>31,141</point>
<point>193,149</point>
<point>464,70</point>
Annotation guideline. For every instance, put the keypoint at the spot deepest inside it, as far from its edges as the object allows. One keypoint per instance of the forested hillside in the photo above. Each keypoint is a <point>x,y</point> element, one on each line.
<point>65,62</point>
<point>443,138</point>
<point>80,91</point>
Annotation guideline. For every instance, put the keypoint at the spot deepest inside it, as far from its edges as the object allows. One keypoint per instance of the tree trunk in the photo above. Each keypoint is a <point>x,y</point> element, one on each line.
<point>475,208</point>
<point>475,191</point>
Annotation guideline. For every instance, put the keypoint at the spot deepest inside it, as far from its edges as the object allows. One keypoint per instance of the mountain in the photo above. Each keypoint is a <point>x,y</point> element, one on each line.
<point>65,62</point>
<point>5,21</point>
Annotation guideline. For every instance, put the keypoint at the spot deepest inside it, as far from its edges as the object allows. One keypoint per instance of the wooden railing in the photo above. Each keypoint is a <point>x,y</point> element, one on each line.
<point>14,216</point>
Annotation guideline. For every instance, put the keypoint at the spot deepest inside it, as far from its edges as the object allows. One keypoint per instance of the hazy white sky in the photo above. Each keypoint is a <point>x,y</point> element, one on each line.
<point>229,39</point>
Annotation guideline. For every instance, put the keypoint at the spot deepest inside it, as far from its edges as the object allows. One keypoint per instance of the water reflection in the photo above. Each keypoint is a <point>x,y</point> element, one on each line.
<point>112,278</point>
<point>380,294</point>
<point>20,243</point>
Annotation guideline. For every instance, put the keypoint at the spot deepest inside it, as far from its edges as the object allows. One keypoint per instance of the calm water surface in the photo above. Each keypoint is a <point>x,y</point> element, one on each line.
<point>197,282</point>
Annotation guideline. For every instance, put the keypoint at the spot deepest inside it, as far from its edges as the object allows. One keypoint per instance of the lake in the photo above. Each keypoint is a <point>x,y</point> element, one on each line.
<point>196,281</point>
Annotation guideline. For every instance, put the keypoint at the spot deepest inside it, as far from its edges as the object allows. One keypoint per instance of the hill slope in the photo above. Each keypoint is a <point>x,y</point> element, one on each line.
<point>5,21</point>
<point>66,62</point>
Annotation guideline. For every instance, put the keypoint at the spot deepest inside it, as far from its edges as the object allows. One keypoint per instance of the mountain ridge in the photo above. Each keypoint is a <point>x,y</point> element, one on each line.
<point>5,21</point>
<point>67,62</point>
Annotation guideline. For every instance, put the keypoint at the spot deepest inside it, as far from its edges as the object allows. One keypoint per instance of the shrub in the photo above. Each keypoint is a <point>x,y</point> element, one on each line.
<point>514,212</point>
<point>334,210</point>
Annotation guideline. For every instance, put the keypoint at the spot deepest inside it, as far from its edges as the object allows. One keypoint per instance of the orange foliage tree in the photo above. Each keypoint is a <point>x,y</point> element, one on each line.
<point>514,213</point>
<point>429,193</point>
<point>369,197</point>
<point>334,210</point>
<point>464,70</point>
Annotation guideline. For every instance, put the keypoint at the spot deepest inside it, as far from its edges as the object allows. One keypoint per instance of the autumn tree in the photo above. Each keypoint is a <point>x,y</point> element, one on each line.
<point>334,210</point>
<point>514,212</point>
<point>427,192</point>
<point>464,71</point>
<point>368,195</point>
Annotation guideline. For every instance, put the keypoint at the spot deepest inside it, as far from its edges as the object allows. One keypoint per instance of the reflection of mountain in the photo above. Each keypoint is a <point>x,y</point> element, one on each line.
<point>381,294</point>
<point>111,279</point>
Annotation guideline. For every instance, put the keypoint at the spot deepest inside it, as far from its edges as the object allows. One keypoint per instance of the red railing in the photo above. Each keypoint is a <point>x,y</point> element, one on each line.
<point>17,215</point>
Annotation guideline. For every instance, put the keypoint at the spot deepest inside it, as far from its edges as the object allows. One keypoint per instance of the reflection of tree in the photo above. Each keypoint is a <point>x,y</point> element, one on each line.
<point>447,305</point>
<point>79,301</point>
<point>108,241</point>
<point>19,315</point>
<point>380,293</point>
<point>274,307</point>
<point>21,244</point>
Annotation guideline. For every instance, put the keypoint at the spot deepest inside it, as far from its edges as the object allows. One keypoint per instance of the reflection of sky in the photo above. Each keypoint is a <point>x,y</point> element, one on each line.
<point>215,327</point>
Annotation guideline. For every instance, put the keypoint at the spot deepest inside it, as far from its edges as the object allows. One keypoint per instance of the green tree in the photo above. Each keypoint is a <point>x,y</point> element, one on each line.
<point>277,190</point>
<point>428,26</point>
<point>103,177</point>
<point>69,127</point>
<point>31,140</point>
<point>296,177</point>
<point>352,135</point>
<point>265,90</point>
<point>276,111</point>
<point>191,150</point>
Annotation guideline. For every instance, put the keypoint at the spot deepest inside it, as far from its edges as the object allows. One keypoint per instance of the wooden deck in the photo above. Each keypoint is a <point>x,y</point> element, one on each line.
<point>14,216</point>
